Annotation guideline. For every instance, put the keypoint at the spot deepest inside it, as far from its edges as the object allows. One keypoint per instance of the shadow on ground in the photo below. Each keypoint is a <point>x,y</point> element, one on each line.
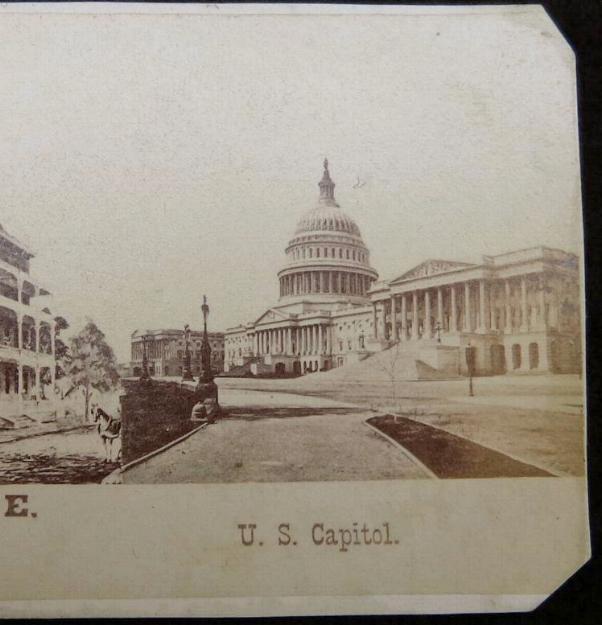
<point>250,413</point>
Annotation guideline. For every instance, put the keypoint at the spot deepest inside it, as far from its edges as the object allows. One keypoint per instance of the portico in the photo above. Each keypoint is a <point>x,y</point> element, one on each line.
<point>509,307</point>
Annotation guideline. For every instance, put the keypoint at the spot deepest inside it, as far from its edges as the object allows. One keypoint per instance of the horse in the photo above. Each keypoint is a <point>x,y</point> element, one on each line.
<point>109,430</point>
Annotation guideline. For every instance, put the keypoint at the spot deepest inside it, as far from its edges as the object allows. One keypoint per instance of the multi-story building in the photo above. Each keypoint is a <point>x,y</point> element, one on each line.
<point>27,333</point>
<point>520,310</point>
<point>166,348</point>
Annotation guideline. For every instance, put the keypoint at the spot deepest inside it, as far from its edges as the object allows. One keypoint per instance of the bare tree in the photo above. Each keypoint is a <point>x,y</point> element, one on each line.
<point>388,364</point>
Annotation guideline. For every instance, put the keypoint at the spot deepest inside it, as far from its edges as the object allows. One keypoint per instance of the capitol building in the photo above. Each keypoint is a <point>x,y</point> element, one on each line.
<point>519,310</point>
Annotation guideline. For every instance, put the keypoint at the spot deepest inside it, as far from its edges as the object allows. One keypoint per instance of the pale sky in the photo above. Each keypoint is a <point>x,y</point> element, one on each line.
<point>148,160</point>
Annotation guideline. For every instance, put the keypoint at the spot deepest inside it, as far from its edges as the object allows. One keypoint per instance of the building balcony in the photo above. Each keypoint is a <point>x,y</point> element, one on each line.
<point>25,309</point>
<point>9,353</point>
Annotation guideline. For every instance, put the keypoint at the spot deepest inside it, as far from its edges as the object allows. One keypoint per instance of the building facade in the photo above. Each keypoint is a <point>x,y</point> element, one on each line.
<point>27,333</point>
<point>166,348</point>
<point>520,310</point>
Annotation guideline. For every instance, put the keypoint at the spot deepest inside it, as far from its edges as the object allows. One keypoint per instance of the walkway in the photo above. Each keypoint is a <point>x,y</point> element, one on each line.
<point>279,437</point>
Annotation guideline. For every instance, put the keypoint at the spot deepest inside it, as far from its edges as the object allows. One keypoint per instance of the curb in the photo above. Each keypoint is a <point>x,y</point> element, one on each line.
<point>115,477</point>
<point>407,453</point>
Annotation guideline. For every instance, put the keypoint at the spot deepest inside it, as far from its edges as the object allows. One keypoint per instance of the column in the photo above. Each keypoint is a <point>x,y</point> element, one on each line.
<point>320,340</point>
<point>375,320</point>
<point>37,327</point>
<point>492,318</point>
<point>482,313</point>
<point>507,309</point>
<point>542,305</point>
<point>524,325</point>
<point>37,384</point>
<point>440,309</point>
<point>302,340</point>
<point>404,318</point>
<point>255,345</point>
<point>314,339</point>
<point>467,316</point>
<point>20,379</point>
<point>454,309</point>
<point>327,331</point>
<point>428,328</point>
<point>414,315</point>
<point>19,331</point>
<point>394,332</point>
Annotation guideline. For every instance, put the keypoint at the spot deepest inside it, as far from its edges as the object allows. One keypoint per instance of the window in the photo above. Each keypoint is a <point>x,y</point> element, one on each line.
<point>325,252</point>
<point>317,252</point>
<point>347,254</point>
<point>311,252</point>
<point>340,253</point>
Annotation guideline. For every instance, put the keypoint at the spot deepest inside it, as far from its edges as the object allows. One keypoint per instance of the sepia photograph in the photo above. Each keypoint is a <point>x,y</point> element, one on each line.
<point>245,247</point>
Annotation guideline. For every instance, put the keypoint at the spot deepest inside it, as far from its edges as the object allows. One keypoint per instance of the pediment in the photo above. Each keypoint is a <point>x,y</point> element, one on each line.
<point>432,268</point>
<point>272,315</point>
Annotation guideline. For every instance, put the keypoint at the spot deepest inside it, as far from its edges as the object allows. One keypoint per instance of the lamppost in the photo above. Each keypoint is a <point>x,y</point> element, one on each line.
<point>470,363</point>
<point>187,372</point>
<point>438,331</point>
<point>206,373</point>
<point>146,338</point>
<point>206,388</point>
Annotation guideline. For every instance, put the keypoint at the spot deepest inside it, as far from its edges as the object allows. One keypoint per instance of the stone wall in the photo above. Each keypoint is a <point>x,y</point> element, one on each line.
<point>153,413</point>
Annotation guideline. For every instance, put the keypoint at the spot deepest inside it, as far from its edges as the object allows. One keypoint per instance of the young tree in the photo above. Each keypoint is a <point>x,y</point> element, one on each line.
<point>92,364</point>
<point>61,349</point>
<point>389,365</point>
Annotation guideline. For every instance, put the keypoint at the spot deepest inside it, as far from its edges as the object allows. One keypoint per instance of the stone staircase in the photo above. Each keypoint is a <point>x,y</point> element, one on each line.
<point>402,361</point>
<point>242,371</point>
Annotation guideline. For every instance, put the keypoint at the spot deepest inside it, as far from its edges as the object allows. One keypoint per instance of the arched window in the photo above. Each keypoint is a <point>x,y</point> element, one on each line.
<point>353,254</point>
<point>317,252</point>
<point>311,252</point>
<point>347,254</point>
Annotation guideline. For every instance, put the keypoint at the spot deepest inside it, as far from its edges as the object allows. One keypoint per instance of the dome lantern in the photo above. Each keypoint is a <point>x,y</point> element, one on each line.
<point>327,187</point>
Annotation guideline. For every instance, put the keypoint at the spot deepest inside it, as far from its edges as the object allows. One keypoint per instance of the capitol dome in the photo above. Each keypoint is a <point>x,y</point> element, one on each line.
<point>326,258</point>
<point>327,218</point>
